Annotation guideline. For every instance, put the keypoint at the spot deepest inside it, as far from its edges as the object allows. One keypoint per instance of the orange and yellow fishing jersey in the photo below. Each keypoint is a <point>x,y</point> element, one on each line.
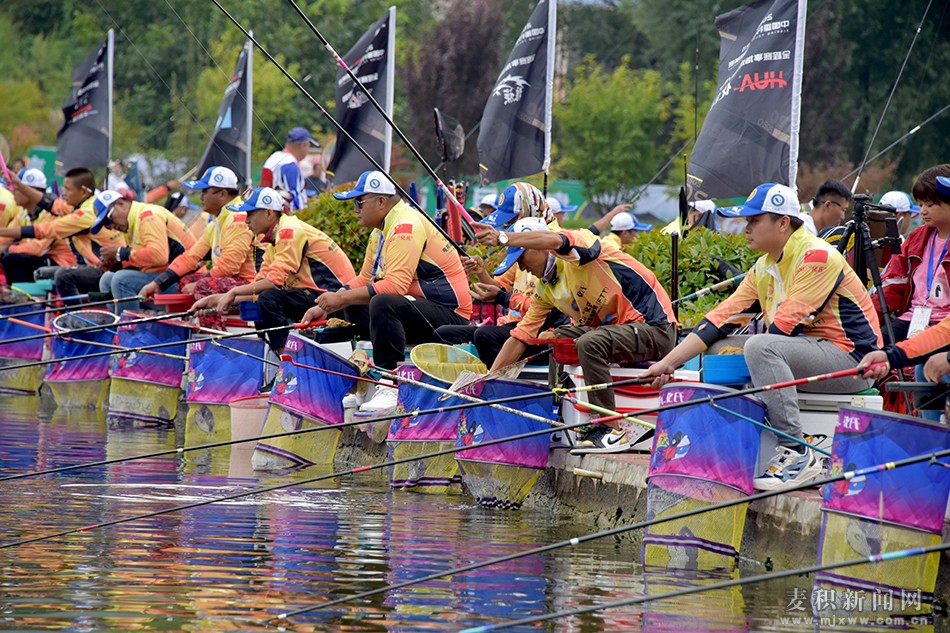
<point>57,250</point>
<point>298,256</point>
<point>156,238</point>
<point>11,214</point>
<point>409,257</point>
<point>809,291</point>
<point>72,226</point>
<point>596,284</point>
<point>228,241</point>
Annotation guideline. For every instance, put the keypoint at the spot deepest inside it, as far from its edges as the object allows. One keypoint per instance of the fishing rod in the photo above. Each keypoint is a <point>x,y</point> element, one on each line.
<point>402,192</point>
<point>81,306</point>
<point>119,349</point>
<point>575,541</point>
<point>158,317</point>
<point>461,396</point>
<point>722,285</point>
<point>143,348</point>
<point>857,178</point>
<point>326,427</point>
<point>382,111</point>
<point>738,582</point>
<point>39,302</point>
<point>361,469</point>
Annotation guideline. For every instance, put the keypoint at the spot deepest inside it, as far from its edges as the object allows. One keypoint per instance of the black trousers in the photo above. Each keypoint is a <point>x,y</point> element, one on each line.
<point>75,280</point>
<point>283,307</point>
<point>488,340</point>
<point>19,267</point>
<point>395,320</point>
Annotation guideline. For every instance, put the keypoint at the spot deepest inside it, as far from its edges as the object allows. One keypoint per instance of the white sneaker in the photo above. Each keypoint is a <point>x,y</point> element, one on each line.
<point>788,468</point>
<point>566,438</point>
<point>353,400</point>
<point>383,401</point>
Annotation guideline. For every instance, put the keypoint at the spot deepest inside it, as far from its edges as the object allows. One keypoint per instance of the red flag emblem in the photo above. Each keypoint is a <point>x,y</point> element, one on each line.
<point>816,256</point>
<point>403,228</point>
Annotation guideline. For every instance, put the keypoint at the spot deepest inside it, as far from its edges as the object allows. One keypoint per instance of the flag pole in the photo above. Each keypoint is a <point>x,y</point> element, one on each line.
<point>795,124</point>
<point>249,69</point>
<point>390,86</point>
<point>110,60</point>
<point>549,88</point>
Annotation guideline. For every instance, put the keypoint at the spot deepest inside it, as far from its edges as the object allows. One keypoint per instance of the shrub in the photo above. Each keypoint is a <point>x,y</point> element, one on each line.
<point>337,219</point>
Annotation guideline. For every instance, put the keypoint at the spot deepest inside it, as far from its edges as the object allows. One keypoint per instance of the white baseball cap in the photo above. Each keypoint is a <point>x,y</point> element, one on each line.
<point>901,201</point>
<point>703,205</point>
<point>32,177</point>
<point>489,200</point>
<point>369,182</point>
<point>625,221</point>
<point>220,177</point>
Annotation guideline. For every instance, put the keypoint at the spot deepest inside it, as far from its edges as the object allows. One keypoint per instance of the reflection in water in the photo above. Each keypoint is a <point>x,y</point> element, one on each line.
<point>228,566</point>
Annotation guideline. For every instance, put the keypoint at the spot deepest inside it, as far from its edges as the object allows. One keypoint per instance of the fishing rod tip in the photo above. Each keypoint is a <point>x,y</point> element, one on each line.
<point>287,358</point>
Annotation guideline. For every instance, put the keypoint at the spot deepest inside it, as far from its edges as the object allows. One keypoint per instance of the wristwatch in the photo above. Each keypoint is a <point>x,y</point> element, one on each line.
<point>502,238</point>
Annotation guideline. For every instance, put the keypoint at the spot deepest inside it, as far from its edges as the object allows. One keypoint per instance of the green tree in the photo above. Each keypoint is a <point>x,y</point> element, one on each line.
<point>606,130</point>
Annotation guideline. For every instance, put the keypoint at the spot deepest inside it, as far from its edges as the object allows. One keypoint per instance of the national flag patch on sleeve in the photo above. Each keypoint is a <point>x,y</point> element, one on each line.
<point>817,256</point>
<point>285,234</point>
<point>146,215</point>
<point>403,228</point>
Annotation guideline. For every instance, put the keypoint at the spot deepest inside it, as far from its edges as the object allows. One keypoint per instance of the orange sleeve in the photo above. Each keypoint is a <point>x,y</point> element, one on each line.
<point>236,241</point>
<point>739,301</point>
<point>64,227</point>
<point>530,325</point>
<point>152,251</point>
<point>928,341</point>
<point>191,258</point>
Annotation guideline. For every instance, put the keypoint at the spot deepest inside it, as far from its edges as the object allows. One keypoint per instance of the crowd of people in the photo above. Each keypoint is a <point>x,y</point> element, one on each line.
<point>413,285</point>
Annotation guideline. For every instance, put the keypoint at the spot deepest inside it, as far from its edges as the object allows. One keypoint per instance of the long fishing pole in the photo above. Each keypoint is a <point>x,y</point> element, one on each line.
<point>143,348</point>
<point>81,306</point>
<point>361,469</point>
<point>857,179</point>
<point>119,348</point>
<point>402,192</point>
<point>379,108</point>
<point>39,302</point>
<point>158,317</point>
<point>738,582</point>
<point>325,427</point>
<point>713,288</point>
<point>575,541</point>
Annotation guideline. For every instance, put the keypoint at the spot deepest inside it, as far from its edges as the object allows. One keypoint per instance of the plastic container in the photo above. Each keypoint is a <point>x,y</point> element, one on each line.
<point>250,311</point>
<point>565,351</point>
<point>174,302</point>
<point>33,288</point>
<point>247,417</point>
<point>726,369</point>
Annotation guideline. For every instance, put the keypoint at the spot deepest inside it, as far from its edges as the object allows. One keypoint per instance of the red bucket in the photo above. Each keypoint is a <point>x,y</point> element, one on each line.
<point>174,302</point>
<point>565,352</point>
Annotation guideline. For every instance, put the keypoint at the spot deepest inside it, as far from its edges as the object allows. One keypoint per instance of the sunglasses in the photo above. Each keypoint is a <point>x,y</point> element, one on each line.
<point>359,203</point>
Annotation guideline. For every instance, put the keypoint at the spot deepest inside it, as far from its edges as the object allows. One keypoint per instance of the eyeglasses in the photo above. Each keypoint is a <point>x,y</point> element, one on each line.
<point>359,203</point>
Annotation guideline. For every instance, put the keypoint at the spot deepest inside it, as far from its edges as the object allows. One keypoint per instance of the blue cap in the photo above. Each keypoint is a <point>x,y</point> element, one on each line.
<point>514,252</point>
<point>770,197</point>
<point>220,177</point>
<point>260,198</point>
<point>520,200</point>
<point>943,185</point>
<point>101,205</point>
<point>369,182</point>
<point>299,135</point>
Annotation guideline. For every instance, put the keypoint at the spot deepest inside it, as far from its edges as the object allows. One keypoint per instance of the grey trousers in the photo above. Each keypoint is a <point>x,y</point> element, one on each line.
<point>774,358</point>
<point>597,347</point>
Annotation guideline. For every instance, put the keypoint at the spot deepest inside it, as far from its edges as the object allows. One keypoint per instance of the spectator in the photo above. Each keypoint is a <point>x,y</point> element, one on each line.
<point>829,207</point>
<point>905,208</point>
<point>281,170</point>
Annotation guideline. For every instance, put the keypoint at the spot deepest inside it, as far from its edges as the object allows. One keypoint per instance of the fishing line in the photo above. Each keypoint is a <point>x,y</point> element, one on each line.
<point>69,309</point>
<point>65,336</point>
<point>402,192</point>
<point>739,582</point>
<point>159,317</point>
<point>573,542</point>
<point>857,179</point>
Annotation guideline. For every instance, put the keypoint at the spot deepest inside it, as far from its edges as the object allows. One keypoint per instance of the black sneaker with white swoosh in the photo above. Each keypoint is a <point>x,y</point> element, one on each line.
<point>602,439</point>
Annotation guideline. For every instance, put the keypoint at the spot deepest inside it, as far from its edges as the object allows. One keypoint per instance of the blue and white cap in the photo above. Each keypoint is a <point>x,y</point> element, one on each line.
<point>369,182</point>
<point>624,221</point>
<point>520,200</point>
<point>768,198</point>
<point>220,177</point>
<point>901,201</point>
<point>514,252</point>
<point>261,198</point>
<point>559,207</point>
<point>102,205</point>
<point>32,177</point>
<point>943,185</point>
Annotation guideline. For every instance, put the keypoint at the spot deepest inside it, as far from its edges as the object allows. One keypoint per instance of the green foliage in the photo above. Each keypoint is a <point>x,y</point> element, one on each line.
<point>607,129</point>
<point>337,219</point>
<point>697,265</point>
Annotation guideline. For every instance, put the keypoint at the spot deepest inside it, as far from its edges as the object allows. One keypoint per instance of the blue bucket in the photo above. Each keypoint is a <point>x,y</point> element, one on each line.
<point>726,369</point>
<point>250,311</point>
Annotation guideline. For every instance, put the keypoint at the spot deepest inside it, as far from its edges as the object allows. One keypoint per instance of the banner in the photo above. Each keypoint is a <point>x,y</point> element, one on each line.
<point>230,144</point>
<point>85,139</point>
<point>311,392</point>
<point>85,369</point>
<point>515,136</point>
<point>372,59</point>
<point>709,440</point>
<point>481,424</point>
<point>26,350</point>
<point>750,135</point>
<point>913,496</point>
<point>218,375</point>
<point>439,427</point>
<point>134,365</point>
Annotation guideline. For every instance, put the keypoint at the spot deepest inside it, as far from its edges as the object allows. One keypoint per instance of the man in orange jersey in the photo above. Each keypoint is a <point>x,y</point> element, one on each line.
<point>71,218</point>
<point>619,311</point>
<point>412,279</point>
<point>155,237</point>
<point>226,242</point>
<point>819,317</point>
<point>300,264</point>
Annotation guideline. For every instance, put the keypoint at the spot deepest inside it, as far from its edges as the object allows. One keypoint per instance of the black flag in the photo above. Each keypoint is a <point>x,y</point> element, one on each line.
<point>230,145</point>
<point>515,135</point>
<point>750,135</point>
<point>372,60</point>
<point>85,140</point>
